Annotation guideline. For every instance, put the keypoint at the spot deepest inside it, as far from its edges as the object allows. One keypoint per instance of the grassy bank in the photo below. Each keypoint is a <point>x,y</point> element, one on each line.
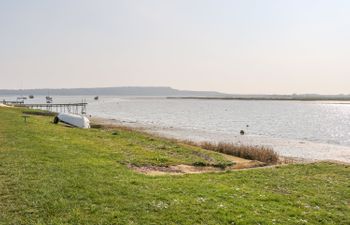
<point>53,174</point>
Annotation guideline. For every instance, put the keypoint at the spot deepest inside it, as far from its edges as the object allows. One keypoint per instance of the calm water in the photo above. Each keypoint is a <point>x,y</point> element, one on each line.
<point>317,122</point>
<point>327,123</point>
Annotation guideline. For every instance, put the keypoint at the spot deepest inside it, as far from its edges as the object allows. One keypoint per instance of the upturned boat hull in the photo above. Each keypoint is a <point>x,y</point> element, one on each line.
<point>73,120</point>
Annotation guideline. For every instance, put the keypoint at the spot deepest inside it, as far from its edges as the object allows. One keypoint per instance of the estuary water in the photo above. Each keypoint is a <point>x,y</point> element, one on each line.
<point>303,129</point>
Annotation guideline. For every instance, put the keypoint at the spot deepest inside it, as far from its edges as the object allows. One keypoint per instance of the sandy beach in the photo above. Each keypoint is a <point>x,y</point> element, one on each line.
<point>2,105</point>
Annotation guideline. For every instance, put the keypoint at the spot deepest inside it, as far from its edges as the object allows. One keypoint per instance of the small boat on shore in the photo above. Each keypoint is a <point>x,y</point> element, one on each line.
<point>96,98</point>
<point>73,120</point>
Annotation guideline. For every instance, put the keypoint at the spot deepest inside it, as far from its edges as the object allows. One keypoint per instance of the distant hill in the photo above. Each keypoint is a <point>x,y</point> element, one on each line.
<point>168,92</point>
<point>118,91</point>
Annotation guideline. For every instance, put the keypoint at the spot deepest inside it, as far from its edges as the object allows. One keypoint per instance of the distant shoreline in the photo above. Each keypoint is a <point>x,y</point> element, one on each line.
<point>170,93</point>
<point>263,98</point>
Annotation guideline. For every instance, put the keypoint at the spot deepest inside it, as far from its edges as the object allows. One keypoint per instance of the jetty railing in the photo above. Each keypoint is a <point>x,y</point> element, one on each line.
<point>75,108</point>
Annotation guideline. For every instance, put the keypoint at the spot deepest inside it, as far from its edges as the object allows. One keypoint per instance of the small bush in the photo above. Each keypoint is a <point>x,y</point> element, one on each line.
<point>96,126</point>
<point>199,164</point>
<point>223,165</point>
<point>259,153</point>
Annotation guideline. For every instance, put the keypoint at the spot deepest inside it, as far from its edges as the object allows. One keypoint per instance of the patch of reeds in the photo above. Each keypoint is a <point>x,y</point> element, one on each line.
<point>259,153</point>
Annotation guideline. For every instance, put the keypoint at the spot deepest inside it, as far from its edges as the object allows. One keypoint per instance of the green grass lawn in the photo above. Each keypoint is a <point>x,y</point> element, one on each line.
<point>53,174</point>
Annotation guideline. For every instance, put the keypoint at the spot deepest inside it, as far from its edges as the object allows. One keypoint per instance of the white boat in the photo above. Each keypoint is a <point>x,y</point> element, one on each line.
<point>73,120</point>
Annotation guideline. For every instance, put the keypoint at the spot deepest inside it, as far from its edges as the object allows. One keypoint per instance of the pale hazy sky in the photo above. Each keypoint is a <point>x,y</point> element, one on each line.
<point>234,46</point>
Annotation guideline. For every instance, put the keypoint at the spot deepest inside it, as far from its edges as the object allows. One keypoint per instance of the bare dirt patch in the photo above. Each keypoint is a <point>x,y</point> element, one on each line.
<point>174,170</point>
<point>181,169</point>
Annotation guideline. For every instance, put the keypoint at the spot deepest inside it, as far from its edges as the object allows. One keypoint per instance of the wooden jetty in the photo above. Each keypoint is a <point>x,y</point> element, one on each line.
<point>75,108</point>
